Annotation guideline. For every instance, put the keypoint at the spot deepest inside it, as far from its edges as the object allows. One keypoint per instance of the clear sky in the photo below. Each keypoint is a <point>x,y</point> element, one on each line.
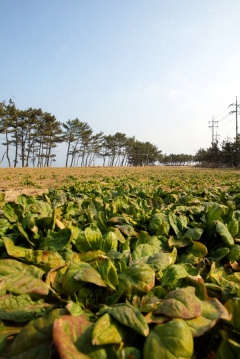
<point>158,70</point>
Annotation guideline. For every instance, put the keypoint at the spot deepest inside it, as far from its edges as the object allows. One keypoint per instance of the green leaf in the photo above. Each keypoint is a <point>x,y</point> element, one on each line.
<point>89,240</point>
<point>107,330</point>
<point>212,311</point>
<point>224,233</point>
<point>6,332</point>
<point>176,224</point>
<point>23,284</point>
<point>197,249</point>
<point>159,223</point>
<point>180,303</point>
<point>137,280</point>
<point>108,272</point>
<point>44,259</point>
<point>162,260</point>
<point>110,241</point>
<point>15,251</point>
<point>4,226</point>
<point>57,240</point>
<point>130,316</point>
<point>172,340</point>
<point>77,274</point>
<point>172,275</point>
<point>21,308</point>
<point>233,306</point>
<point>35,339</point>
<point>66,331</point>
<point>13,212</point>
<point>229,347</point>
<point>233,227</point>
<point>234,253</point>
<point>194,234</point>
<point>219,253</point>
<point>12,266</point>
<point>142,250</point>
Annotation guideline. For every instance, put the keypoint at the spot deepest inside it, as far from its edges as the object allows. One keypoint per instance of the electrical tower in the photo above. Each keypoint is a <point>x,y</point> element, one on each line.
<point>235,111</point>
<point>213,126</point>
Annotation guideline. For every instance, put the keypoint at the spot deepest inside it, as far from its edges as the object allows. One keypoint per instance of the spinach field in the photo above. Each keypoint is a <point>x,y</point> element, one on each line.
<point>136,264</point>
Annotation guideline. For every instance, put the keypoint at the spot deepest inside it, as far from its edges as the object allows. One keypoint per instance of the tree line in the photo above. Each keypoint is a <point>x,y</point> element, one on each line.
<point>225,154</point>
<point>31,137</point>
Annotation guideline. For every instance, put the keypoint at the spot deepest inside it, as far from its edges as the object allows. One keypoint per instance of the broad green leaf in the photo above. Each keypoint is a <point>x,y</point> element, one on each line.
<point>13,212</point>
<point>77,274</point>
<point>212,311</point>
<point>24,234</point>
<point>90,239</point>
<point>18,283</point>
<point>142,250</point>
<point>29,223</point>
<point>26,201</point>
<point>145,238</point>
<point>224,233</point>
<point>110,241</point>
<point>35,339</point>
<point>214,212</point>
<point>173,241</point>
<point>176,224</point>
<point>130,316</point>
<point>90,255</point>
<point>57,240</point>
<point>107,330</point>
<point>21,308</point>
<point>137,280</point>
<point>74,308</point>
<point>15,251</point>
<point>172,274</point>
<point>197,249</point>
<point>162,260</point>
<point>229,347</point>
<point>234,253</point>
<point>193,234</point>
<point>147,303</point>
<point>180,303</point>
<point>6,332</point>
<point>66,331</point>
<point>233,227</point>
<point>42,208</point>
<point>12,266</point>
<point>127,230</point>
<point>4,226</point>
<point>84,345</point>
<point>159,223</point>
<point>233,306</point>
<point>108,272</point>
<point>172,340</point>
<point>219,253</point>
<point>44,259</point>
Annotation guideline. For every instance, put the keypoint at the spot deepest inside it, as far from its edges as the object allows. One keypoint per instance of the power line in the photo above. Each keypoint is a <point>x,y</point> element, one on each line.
<point>225,117</point>
<point>221,112</point>
<point>226,123</point>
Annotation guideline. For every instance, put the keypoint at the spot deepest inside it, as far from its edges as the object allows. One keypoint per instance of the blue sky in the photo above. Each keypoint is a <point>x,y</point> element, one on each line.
<point>154,69</point>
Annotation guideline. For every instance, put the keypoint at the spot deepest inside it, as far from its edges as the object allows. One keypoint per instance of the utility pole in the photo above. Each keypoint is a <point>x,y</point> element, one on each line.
<point>214,124</point>
<point>235,111</point>
<point>236,138</point>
